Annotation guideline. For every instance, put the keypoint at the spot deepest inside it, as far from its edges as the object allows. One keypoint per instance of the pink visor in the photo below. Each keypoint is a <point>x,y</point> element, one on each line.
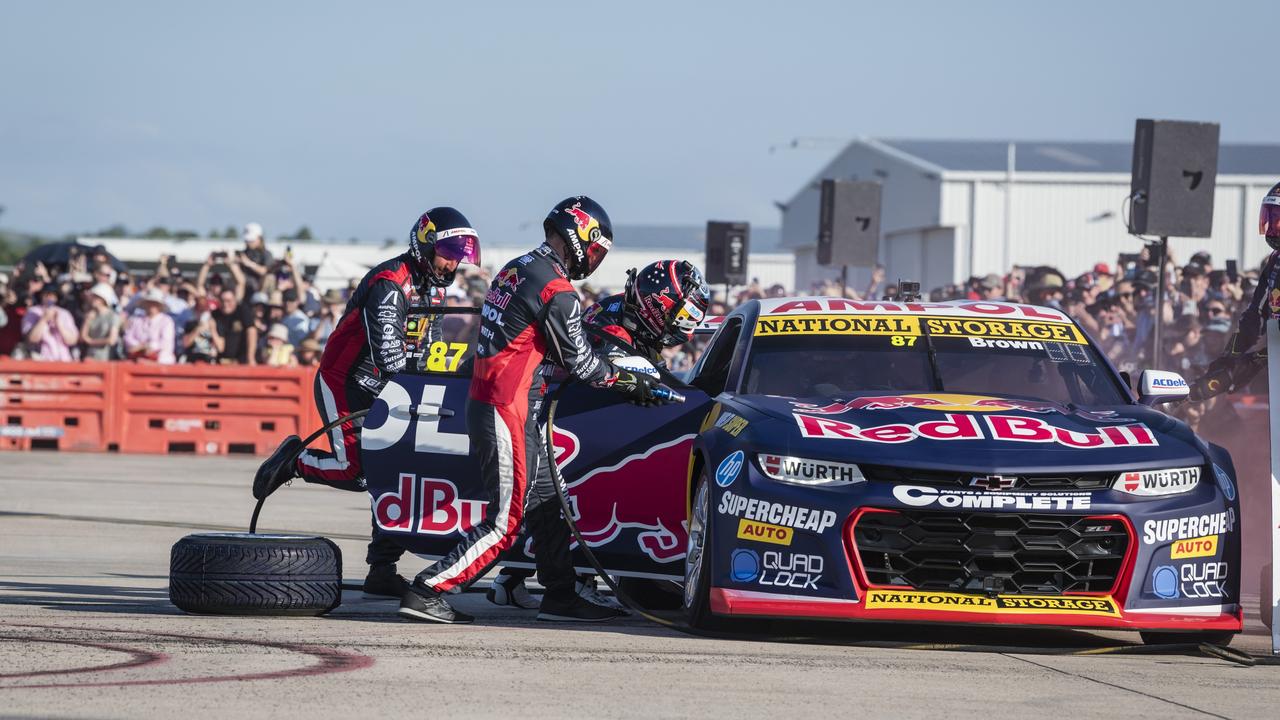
<point>461,244</point>
<point>1269,218</point>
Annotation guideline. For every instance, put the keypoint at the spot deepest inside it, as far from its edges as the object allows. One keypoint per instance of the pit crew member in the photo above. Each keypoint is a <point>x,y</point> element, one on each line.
<point>366,348</point>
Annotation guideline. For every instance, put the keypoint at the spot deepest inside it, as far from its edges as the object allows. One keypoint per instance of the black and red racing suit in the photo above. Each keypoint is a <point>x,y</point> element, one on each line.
<point>530,314</point>
<point>364,350</point>
<point>1264,304</point>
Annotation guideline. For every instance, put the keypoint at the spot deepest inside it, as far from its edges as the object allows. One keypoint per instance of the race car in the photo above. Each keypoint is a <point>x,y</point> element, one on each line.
<point>959,462</point>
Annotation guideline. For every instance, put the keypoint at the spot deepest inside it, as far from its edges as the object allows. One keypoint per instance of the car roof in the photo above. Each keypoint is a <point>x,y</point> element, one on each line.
<point>818,305</point>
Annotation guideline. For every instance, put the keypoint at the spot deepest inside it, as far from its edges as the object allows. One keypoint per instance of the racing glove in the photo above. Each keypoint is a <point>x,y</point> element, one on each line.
<point>637,387</point>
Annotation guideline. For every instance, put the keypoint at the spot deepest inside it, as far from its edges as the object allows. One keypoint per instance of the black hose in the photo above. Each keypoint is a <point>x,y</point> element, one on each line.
<point>1219,652</point>
<point>253,521</point>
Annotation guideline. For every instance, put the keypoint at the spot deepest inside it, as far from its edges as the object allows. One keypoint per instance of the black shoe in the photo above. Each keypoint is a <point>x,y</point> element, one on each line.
<point>426,605</point>
<point>277,469</point>
<point>574,609</point>
<point>383,581</point>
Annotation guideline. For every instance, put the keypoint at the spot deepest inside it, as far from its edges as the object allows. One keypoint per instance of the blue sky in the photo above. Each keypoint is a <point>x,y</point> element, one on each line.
<point>353,118</point>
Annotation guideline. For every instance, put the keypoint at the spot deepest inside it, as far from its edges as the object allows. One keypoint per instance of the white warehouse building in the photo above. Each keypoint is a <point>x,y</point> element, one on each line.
<point>952,209</point>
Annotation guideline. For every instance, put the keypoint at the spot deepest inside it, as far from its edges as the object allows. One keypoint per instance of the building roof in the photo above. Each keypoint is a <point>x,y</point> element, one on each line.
<point>1065,157</point>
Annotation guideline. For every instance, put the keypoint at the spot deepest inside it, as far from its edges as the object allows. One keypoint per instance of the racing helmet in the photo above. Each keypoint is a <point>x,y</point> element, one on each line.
<point>665,301</point>
<point>1269,218</point>
<point>445,232</point>
<point>586,230</point>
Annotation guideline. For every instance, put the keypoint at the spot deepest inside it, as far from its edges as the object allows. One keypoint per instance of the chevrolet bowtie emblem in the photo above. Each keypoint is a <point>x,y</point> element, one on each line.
<point>993,482</point>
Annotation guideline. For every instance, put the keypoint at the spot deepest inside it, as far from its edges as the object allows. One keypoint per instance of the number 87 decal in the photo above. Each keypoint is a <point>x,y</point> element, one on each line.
<point>439,359</point>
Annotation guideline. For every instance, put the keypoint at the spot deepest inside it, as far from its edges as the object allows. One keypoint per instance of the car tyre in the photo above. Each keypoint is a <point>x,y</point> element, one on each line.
<point>244,574</point>
<point>696,598</point>
<point>1221,638</point>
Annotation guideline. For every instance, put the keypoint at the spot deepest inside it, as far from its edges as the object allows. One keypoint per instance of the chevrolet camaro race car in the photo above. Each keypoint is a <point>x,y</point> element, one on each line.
<point>960,462</point>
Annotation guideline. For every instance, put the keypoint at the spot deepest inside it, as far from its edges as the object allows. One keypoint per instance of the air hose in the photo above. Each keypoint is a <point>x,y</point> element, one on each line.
<point>253,521</point>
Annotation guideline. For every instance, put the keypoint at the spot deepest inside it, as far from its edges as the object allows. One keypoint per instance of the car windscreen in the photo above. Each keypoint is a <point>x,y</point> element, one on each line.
<point>1046,361</point>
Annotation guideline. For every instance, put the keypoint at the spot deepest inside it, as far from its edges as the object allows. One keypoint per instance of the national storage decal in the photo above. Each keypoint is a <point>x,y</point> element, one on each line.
<point>881,599</point>
<point>911,325</point>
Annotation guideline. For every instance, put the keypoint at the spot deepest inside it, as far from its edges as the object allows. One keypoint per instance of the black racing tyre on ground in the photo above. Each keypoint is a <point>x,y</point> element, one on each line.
<point>243,574</point>
<point>1221,638</point>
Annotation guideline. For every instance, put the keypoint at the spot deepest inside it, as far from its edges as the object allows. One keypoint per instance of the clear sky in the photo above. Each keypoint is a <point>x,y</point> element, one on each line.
<point>355,117</point>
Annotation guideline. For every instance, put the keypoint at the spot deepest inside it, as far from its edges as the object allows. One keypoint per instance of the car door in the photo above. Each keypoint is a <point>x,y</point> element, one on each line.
<point>624,466</point>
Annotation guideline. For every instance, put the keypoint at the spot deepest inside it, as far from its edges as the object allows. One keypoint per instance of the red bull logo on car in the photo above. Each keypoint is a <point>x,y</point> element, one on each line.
<point>961,426</point>
<point>942,402</point>
<point>426,506</point>
<point>623,496</point>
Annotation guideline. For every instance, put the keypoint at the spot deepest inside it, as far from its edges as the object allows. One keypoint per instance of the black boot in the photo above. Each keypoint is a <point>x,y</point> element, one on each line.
<point>278,469</point>
<point>574,608</point>
<point>423,604</point>
<point>383,581</point>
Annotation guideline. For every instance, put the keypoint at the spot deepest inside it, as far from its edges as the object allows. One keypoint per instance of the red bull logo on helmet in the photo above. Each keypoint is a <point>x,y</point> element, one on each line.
<point>587,226</point>
<point>623,496</point>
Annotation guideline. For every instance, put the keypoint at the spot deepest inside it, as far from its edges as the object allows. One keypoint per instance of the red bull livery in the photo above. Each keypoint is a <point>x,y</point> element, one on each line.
<point>961,462</point>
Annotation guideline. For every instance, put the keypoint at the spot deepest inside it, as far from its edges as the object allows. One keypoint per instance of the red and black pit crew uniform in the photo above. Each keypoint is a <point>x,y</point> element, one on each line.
<point>1264,304</point>
<point>364,351</point>
<point>530,314</point>
<point>542,512</point>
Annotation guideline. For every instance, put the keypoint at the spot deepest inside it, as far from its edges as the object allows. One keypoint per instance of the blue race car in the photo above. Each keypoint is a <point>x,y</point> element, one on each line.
<point>962,462</point>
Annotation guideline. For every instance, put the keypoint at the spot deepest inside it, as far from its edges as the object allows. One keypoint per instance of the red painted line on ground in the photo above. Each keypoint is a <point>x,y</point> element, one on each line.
<point>139,659</point>
<point>331,660</point>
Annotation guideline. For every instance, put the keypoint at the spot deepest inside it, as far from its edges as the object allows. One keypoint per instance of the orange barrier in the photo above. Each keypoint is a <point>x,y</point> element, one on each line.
<point>55,406</point>
<point>146,408</point>
<point>211,410</point>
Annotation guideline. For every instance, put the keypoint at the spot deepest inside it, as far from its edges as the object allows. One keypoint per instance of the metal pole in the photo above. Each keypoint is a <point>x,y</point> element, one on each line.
<point>844,280</point>
<point>1157,358</point>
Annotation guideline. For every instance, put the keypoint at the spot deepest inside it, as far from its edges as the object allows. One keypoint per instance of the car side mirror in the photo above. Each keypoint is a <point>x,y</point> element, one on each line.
<point>1161,386</point>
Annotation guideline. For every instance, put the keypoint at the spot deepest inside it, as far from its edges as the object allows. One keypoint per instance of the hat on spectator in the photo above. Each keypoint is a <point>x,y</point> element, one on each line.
<point>1102,269</point>
<point>259,298</point>
<point>1193,270</point>
<point>105,292</point>
<point>81,278</point>
<point>252,231</point>
<point>310,344</point>
<point>334,296</point>
<point>279,332</point>
<point>151,296</point>
<point>992,282</point>
<point>277,299</point>
<point>1202,257</point>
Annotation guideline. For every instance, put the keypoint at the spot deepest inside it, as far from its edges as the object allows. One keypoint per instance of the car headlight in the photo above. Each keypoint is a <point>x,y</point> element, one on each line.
<point>1150,483</point>
<point>807,471</point>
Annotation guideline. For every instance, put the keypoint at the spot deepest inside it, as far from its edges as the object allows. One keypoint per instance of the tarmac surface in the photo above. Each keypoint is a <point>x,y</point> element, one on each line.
<point>87,631</point>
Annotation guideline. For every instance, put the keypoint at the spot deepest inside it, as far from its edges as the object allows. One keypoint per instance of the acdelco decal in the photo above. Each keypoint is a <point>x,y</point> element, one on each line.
<point>1004,329</point>
<point>1004,604</point>
<point>961,426</point>
<point>922,496</point>
<point>837,325</point>
<point>798,518</point>
<point>1196,526</point>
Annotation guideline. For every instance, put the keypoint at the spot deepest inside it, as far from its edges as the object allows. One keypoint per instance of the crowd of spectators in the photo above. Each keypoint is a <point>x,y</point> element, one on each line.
<point>250,307</point>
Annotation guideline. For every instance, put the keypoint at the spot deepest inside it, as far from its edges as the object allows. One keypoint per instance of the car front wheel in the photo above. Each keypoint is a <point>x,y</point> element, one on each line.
<point>697,560</point>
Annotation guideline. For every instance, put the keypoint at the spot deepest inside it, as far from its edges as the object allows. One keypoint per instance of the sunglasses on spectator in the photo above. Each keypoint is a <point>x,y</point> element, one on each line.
<point>1215,310</point>
<point>1126,294</point>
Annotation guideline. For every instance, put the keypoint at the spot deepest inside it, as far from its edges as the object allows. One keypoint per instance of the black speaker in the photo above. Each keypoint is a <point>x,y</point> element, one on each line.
<point>1175,171</point>
<point>727,246</point>
<point>849,223</point>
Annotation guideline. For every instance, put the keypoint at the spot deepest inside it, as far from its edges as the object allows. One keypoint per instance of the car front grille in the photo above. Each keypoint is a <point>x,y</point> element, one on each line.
<point>991,552</point>
<point>1079,481</point>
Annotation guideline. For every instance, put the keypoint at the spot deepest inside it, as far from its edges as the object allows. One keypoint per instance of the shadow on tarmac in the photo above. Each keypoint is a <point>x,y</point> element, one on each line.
<point>94,598</point>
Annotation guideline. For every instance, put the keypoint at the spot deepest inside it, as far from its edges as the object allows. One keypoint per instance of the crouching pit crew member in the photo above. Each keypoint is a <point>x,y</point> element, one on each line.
<point>662,305</point>
<point>366,348</point>
<point>531,314</point>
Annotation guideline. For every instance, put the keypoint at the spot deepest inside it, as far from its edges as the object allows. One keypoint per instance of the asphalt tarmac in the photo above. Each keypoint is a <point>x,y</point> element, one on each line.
<point>87,631</point>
